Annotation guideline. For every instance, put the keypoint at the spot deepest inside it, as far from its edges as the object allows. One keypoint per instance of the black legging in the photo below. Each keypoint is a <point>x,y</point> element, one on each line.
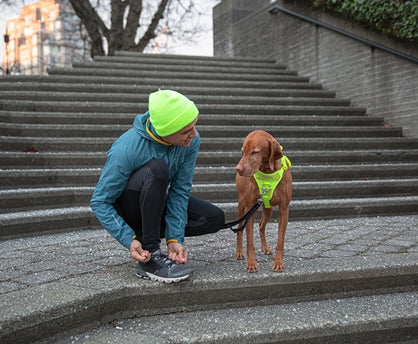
<point>143,204</point>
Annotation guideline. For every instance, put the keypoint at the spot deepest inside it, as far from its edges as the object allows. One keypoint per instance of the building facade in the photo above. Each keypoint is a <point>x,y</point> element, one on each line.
<point>45,34</point>
<point>383,83</point>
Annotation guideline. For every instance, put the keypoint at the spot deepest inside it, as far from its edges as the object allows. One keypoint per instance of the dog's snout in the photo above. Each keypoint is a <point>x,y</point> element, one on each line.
<point>239,168</point>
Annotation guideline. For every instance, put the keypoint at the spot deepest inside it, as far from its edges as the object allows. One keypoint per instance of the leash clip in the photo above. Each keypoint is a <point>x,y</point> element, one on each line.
<point>264,191</point>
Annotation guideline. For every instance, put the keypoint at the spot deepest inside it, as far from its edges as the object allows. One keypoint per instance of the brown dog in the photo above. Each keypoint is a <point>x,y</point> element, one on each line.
<point>260,151</point>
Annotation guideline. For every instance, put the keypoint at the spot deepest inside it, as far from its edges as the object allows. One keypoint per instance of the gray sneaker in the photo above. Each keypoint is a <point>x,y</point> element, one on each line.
<point>161,268</point>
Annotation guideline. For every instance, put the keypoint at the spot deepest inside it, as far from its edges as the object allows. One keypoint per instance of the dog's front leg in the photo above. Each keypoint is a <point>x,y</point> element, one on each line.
<point>263,222</point>
<point>278,264</point>
<point>239,252</point>
<point>251,260</point>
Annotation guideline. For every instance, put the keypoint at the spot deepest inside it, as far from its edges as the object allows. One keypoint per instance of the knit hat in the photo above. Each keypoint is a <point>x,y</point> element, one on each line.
<point>170,111</point>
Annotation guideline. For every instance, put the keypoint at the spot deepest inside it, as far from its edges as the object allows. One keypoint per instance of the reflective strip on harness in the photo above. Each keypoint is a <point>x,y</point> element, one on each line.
<point>267,183</point>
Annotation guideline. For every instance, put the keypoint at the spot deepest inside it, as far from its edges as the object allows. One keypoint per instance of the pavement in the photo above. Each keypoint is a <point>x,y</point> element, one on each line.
<point>59,272</point>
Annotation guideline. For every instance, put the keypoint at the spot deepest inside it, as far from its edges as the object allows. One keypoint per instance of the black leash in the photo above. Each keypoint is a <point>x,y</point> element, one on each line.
<point>245,218</point>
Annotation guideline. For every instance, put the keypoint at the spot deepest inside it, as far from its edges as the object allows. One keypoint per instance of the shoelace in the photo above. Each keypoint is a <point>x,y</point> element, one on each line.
<point>165,260</point>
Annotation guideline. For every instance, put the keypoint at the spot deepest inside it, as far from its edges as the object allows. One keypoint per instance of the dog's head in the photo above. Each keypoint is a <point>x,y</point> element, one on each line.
<point>260,151</point>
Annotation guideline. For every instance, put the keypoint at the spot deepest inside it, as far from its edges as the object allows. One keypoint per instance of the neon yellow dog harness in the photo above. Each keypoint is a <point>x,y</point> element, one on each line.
<point>267,183</point>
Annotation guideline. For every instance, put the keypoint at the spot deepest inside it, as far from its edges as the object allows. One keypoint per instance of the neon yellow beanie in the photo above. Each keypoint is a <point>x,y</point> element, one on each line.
<point>170,111</point>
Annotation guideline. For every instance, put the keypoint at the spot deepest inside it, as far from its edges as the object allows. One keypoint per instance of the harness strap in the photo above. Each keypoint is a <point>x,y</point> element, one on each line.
<point>267,182</point>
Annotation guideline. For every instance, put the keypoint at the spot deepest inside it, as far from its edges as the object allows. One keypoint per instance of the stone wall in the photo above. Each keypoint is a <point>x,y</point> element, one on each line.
<point>384,84</point>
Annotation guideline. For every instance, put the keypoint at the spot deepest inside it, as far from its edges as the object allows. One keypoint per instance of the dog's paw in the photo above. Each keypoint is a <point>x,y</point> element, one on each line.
<point>278,265</point>
<point>239,255</point>
<point>266,250</point>
<point>252,266</point>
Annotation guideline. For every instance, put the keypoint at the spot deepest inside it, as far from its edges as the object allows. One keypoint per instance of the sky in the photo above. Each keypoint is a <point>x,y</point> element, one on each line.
<point>204,45</point>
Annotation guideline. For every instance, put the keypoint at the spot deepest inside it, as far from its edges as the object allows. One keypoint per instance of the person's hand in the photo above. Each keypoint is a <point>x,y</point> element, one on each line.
<point>138,254</point>
<point>177,252</point>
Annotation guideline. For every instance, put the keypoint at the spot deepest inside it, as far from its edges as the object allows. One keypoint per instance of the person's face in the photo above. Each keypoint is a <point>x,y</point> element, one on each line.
<point>184,136</point>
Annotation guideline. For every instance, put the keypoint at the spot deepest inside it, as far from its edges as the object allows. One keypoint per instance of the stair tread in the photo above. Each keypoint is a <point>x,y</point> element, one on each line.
<point>74,210</point>
<point>278,323</point>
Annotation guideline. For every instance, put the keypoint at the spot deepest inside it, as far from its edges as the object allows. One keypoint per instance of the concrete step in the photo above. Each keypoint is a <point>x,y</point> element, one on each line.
<point>97,159</point>
<point>217,192</point>
<point>187,60</point>
<point>48,85</point>
<point>287,107</point>
<point>18,200</point>
<point>204,119</point>
<point>352,299</point>
<point>340,208</point>
<point>56,220</point>
<point>208,131</point>
<point>320,157</point>
<point>27,177</point>
<point>225,69</point>
<point>24,199</point>
<point>179,75</point>
<point>328,119</point>
<point>142,99</point>
<point>365,319</point>
<point>178,83</point>
<point>101,144</point>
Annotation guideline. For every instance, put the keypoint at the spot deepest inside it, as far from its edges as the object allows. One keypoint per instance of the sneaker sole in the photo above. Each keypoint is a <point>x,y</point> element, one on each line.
<point>142,276</point>
<point>162,279</point>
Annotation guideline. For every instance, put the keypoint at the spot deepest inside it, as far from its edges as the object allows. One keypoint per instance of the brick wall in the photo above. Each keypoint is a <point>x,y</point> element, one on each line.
<point>384,84</point>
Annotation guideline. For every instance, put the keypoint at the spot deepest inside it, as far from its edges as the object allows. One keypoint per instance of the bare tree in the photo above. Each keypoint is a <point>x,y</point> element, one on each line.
<point>132,25</point>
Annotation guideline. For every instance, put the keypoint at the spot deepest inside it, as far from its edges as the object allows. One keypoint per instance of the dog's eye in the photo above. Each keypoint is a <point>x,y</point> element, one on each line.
<point>255,152</point>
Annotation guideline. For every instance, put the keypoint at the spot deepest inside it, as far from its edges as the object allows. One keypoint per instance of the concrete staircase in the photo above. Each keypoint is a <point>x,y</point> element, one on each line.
<point>55,130</point>
<point>54,134</point>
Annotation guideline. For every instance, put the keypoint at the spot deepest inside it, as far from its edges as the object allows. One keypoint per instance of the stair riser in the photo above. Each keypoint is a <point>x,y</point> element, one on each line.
<point>120,119</point>
<point>162,76</point>
<point>223,194</point>
<point>144,90</point>
<point>187,60</point>
<point>47,225</point>
<point>47,178</point>
<point>36,200</point>
<point>176,84</point>
<point>48,144</point>
<point>34,160</point>
<point>136,66</point>
<point>207,132</point>
<point>135,108</point>
<point>140,101</point>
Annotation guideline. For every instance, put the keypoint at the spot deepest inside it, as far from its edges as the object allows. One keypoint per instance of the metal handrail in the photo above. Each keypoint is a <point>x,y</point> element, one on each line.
<point>276,8</point>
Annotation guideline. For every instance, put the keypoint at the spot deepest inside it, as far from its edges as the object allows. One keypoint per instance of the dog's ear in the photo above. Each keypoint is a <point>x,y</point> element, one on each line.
<point>275,153</point>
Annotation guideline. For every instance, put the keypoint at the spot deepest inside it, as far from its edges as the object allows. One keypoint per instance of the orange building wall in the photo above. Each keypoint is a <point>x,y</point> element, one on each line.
<point>25,52</point>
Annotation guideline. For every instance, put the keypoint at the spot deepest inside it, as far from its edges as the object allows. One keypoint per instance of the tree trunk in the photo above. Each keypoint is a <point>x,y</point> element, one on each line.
<point>95,27</point>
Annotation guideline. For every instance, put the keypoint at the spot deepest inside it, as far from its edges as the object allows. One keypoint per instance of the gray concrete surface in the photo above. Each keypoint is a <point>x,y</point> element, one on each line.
<point>72,272</point>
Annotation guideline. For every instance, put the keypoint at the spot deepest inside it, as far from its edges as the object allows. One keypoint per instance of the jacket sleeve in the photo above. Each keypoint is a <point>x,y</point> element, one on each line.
<point>110,186</point>
<point>179,194</point>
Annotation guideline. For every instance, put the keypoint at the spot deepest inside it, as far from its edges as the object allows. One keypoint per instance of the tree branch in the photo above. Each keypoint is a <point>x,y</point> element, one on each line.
<point>132,23</point>
<point>93,24</point>
<point>150,33</point>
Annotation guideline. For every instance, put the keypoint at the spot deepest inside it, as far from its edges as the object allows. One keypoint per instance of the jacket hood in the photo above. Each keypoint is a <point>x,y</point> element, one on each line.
<point>140,123</point>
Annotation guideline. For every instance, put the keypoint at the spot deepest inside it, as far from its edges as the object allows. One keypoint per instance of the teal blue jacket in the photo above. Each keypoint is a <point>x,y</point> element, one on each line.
<point>129,152</point>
